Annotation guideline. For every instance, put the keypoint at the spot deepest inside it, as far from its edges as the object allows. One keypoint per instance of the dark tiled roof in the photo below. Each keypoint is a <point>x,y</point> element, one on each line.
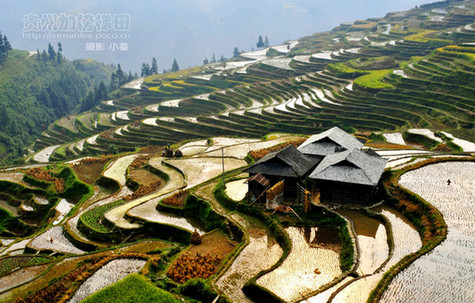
<point>288,162</point>
<point>327,142</point>
<point>351,166</point>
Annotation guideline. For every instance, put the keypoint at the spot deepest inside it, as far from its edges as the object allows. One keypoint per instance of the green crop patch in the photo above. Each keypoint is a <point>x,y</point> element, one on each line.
<point>133,288</point>
<point>94,217</point>
<point>374,80</point>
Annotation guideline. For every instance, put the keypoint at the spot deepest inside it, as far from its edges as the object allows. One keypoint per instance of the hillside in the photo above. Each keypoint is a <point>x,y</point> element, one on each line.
<point>189,182</point>
<point>34,93</point>
<point>408,69</point>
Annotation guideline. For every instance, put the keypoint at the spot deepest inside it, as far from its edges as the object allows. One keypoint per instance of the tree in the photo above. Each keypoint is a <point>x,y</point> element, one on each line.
<point>100,93</point>
<point>6,43</point>
<point>38,55</point>
<point>260,42</point>
<point>222,59</point>
<point>154,68</point>
<point>205,61</point>
<point>113,83</point>
<point>145,70</point>
<point>266,42</point>
<point>59,58</point>
<point>120,76</point>
<point>4,48</point>
<point>88,103</point>
<point>235,52</point>
<point>51,53</point>
<point>44,56</point>
<point>213,59</point>
<point>175,66</point>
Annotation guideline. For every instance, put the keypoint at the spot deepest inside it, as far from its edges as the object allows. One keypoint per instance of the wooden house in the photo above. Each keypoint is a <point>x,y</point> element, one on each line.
<point>287,164</point>
<point>339,170</point>
<point>348,177</point>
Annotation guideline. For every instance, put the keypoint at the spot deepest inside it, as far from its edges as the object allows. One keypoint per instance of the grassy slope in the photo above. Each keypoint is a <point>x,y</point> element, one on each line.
<point>23,83</point>
<point>134,288</point>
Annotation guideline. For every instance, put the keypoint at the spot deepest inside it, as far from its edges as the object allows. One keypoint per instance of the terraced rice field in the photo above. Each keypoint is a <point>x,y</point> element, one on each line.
<point>249,262</point>
<point>236,190</point>
<point>43,155</point>
<point>425,132</point>
<point>307,267</point>
<point>53,239</point>
<point>116,215</point>
<point>239,149</point>
<point>443,274</point>
<point>406,240</point>
<point>18,245</point>
<point>117,169</point>
<point>372,241</point>
<point>149,213</point>
<point>395,138</point>
<point>199,170</point>
<point>315,86</point>
<point>110,273</point>
<point>467,146</point>
<point>20,276</point>
<point>63,209</point>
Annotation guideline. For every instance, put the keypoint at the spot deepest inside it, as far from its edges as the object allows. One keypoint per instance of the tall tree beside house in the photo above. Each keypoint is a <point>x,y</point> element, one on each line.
<point>260,42</point>
<point>175,66</point>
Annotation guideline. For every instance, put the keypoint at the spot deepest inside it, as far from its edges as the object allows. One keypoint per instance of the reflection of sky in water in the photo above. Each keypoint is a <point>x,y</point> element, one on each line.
<point>372,241</point>
<point>406,240</point>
